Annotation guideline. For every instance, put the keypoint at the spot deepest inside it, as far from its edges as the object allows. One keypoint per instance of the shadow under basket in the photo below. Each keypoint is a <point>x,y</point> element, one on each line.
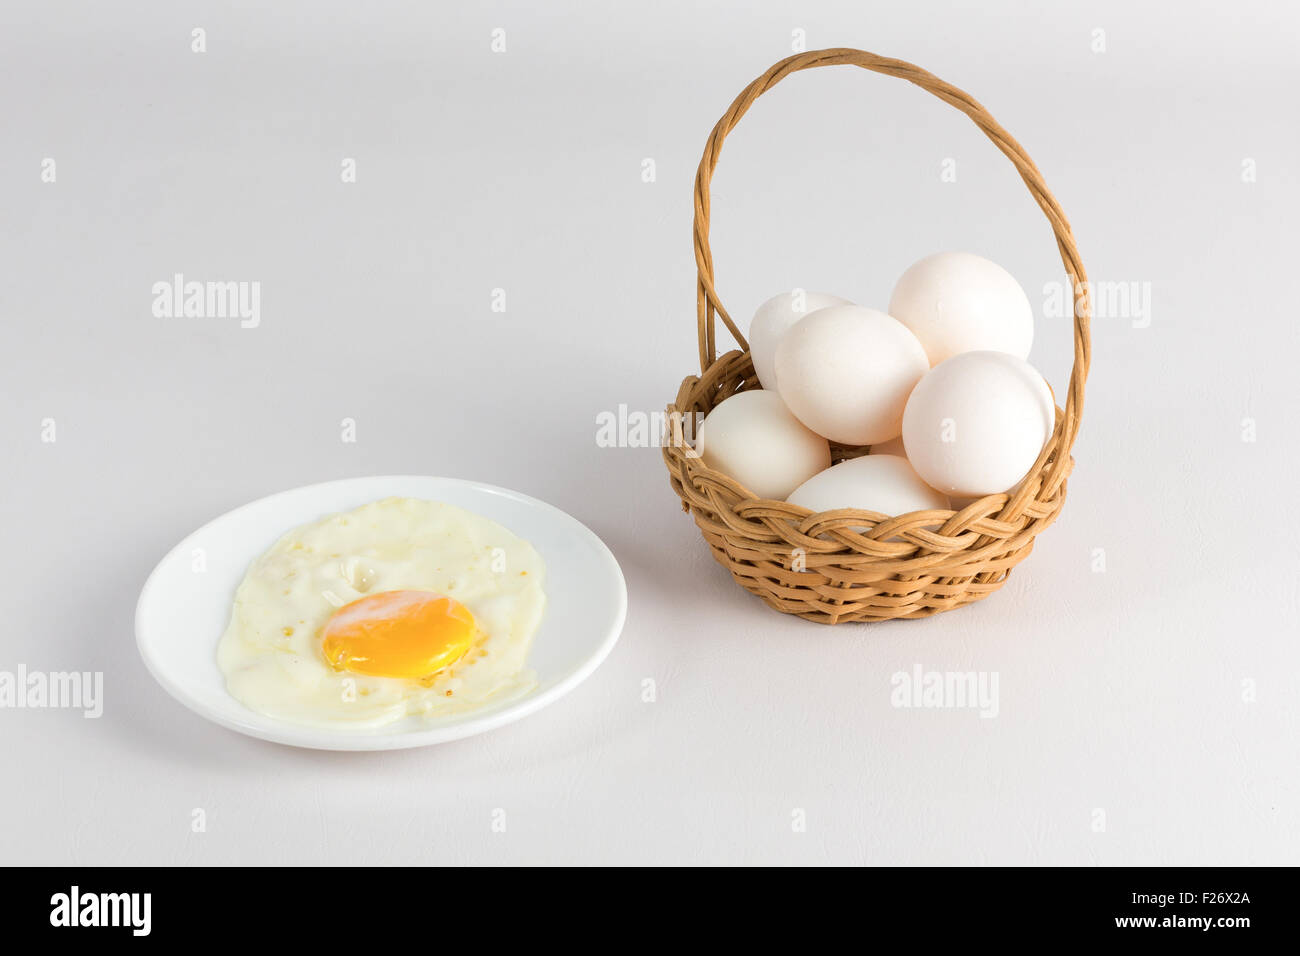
<point>824,566</point>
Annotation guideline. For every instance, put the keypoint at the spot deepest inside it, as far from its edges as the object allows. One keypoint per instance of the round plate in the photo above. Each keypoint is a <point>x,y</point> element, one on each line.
<point>182,614</point>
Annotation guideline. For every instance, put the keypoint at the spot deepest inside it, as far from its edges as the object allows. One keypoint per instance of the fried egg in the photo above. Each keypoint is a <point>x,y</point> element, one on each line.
<point>400,607</point>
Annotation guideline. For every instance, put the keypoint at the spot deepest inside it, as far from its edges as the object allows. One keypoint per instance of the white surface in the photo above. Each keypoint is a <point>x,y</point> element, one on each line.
<point>1120,691</point>
<point>181,615</point>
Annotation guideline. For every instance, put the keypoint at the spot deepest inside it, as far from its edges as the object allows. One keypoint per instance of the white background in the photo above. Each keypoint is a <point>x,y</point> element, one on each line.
<point>1157,697</point>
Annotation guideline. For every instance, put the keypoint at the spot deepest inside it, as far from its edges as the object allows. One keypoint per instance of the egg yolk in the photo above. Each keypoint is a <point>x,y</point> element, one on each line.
<point>404,634</point>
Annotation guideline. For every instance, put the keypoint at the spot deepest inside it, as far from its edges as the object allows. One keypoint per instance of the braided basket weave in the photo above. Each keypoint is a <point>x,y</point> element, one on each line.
<point>816,565</point>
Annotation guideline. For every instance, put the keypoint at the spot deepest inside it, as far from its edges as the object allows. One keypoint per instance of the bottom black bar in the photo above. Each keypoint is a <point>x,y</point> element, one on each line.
<point>1170,906</point>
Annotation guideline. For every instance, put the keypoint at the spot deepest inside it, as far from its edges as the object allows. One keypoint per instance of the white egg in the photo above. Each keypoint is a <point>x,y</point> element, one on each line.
<point>958,302</point>
<point>885,484</point>
<point>753,438</point>
<point>773,319</point>
<point>273,653</point>
<point>976,423</point>
<point>892,447</point>
<point>846,372</point>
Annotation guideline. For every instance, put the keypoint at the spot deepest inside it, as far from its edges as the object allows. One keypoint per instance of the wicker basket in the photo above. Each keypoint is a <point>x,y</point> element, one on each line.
<point>816,565</point>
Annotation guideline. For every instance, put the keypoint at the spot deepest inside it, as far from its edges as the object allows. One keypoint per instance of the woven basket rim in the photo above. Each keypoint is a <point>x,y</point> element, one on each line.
<point>673,415</point>
<point>973,516</point>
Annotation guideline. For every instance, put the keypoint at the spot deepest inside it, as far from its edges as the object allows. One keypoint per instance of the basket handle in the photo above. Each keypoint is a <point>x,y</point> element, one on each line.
<point>707,296</point>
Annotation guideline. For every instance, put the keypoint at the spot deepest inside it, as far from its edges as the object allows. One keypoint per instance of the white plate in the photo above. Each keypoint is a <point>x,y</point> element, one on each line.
<point>182,614</point>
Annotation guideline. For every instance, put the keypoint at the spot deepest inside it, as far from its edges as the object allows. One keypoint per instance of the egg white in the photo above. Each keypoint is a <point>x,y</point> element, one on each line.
<point>271,651</point>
